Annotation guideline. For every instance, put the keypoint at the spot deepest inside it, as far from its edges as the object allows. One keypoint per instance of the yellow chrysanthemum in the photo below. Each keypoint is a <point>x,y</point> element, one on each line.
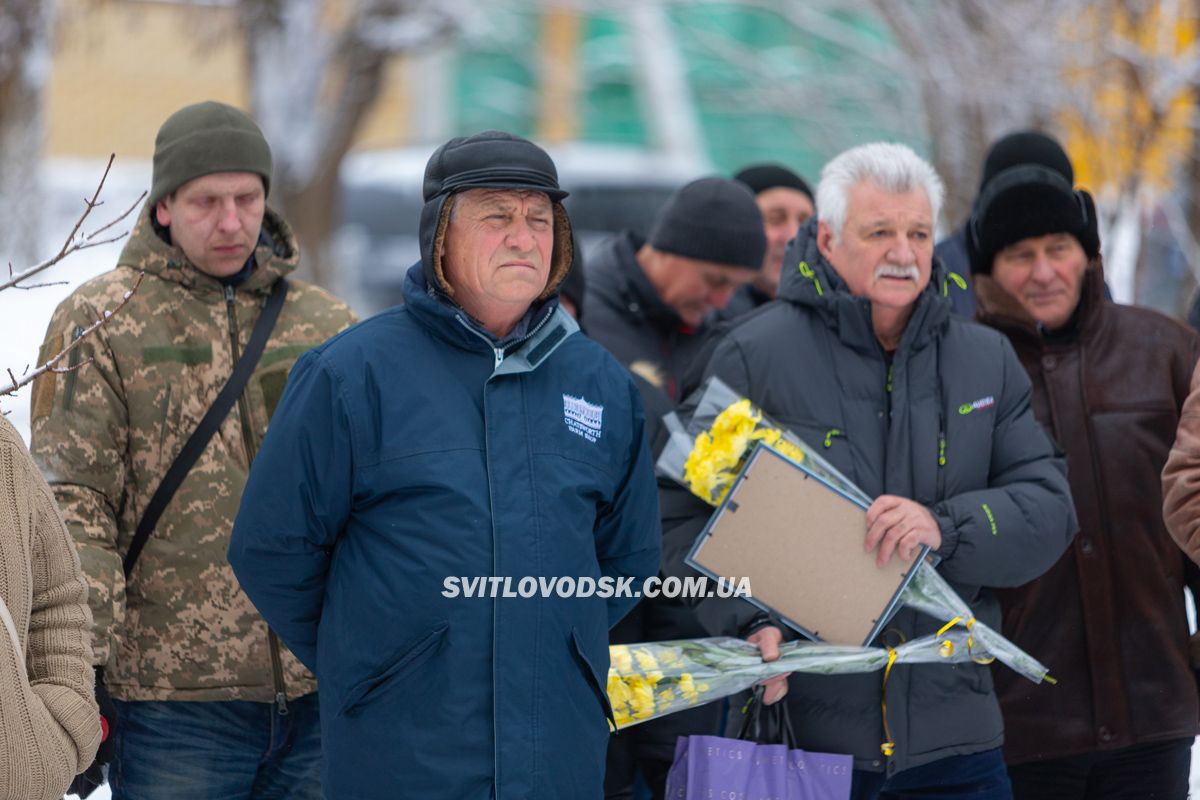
<point>642,702</point>
<point>718,452</point>
<point>618,654</point>
<point>618,692</point>
<point>687,688</point>
<point>669,657</point>
<point>645,659</point>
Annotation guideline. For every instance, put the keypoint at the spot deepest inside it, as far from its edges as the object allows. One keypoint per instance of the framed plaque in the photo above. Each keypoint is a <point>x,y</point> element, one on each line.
<point>800,542</point>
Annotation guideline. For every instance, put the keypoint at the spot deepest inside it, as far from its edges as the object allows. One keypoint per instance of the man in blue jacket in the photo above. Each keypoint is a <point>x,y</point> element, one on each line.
<point>470,434</point>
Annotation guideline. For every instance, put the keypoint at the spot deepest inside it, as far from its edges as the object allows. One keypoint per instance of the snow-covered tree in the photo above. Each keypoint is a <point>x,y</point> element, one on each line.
<point>26,28</point>
<point>12,378</point>
<point>315,69</point>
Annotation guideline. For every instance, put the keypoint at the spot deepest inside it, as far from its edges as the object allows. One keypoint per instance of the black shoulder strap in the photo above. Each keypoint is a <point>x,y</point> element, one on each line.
<point>208,426</point>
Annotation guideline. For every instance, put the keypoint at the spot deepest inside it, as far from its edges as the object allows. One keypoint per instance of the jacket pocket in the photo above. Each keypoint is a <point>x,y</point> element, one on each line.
<point>415,653</point>
<point>593,678</point>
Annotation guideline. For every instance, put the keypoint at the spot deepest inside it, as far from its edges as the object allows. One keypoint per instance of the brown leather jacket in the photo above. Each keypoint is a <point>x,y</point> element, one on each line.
<point>1181,477</point>
<point>1108,618</point>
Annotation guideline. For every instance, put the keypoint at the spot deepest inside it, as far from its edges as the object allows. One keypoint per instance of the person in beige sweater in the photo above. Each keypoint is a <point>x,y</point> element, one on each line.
<point>49,722</point>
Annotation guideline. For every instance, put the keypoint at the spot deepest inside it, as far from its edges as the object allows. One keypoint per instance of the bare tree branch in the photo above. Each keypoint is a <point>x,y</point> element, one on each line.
<point>74,243</point>
<point>51,365</point>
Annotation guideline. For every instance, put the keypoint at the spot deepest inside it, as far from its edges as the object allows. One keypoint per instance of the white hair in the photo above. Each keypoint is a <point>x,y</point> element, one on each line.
<point>891,167</point>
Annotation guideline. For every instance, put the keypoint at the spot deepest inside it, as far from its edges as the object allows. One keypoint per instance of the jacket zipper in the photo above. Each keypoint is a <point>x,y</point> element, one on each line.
<point>498,354</point>
<point>251,452</point>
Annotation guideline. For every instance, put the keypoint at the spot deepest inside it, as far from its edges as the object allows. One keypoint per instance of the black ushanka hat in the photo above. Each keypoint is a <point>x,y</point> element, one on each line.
<point>489,160</point>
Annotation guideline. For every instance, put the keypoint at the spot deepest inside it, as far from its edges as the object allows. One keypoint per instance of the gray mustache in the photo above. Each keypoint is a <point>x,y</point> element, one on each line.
<point>894,271</point>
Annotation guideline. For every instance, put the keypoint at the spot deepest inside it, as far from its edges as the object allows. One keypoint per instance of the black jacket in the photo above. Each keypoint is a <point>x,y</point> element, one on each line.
<point>626,315</point>
<point>812,362</point>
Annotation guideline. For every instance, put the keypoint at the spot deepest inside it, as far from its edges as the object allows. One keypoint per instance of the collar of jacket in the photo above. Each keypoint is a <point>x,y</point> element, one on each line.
<point>998,309</point>
<point>809,281</point>
<point>628,286</point>
<point>543,328</point>
<point>277,254</point>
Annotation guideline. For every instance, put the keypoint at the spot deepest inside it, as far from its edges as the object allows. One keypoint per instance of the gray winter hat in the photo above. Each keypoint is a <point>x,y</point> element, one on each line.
<point>204,138</point>
<point>712,219</point>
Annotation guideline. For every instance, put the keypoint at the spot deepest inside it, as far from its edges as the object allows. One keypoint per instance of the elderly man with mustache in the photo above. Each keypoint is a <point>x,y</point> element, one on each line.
<point>928,413</point>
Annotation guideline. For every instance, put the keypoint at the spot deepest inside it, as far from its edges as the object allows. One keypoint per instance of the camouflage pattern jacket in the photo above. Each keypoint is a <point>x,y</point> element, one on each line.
<point>105,435</point>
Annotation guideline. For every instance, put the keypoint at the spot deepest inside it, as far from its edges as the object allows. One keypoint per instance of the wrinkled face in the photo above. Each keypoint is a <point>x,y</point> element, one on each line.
<point>215,219</point>
<point>498,250</point>
<point>885,251</point>
<point>784,210</point>
<point>1044,274</point>
<point>694,288</point>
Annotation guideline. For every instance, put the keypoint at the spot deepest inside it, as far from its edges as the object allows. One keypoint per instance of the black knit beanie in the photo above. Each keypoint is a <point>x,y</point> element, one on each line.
<point>1026,147</point>
<point>1027,190</point>
<point>712,219</point>
<point>760,177</point>
<point>204,138</point>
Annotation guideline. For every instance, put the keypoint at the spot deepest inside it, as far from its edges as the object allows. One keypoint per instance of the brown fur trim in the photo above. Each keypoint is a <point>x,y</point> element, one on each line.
<point>564,252</point>
<point>439,243</point>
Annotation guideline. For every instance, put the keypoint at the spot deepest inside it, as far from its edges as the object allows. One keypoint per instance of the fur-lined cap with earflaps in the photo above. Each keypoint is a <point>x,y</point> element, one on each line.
<point>489,160</point>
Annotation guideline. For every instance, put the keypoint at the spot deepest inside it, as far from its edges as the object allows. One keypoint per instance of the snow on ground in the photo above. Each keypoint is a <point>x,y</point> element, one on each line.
<point>24,315</point>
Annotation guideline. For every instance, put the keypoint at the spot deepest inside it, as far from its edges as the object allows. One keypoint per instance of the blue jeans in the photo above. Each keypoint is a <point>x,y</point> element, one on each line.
<point>980,776</point>
<point>205,750</point>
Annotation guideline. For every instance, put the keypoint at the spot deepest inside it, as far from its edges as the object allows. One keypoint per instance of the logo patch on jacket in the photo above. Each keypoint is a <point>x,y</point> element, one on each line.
<point>583,418</point>
<point>981,403</point>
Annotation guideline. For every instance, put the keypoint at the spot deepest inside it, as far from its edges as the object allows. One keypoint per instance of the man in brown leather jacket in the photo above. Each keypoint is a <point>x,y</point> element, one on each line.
<point>1181,478</point>
<point>1108,384</point>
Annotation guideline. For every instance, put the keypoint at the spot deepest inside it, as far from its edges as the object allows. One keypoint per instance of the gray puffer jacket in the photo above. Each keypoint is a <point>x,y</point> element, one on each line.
<point>952,389</point>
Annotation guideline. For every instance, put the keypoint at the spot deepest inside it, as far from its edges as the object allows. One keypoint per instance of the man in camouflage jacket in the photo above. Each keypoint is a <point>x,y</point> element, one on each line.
<point>189,661</point>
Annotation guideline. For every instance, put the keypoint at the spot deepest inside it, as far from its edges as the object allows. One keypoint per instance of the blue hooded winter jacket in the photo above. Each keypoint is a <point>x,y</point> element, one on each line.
<point>411,449</point>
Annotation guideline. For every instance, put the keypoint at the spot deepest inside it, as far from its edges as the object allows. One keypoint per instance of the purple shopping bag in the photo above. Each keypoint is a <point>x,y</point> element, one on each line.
<point>710,767</point>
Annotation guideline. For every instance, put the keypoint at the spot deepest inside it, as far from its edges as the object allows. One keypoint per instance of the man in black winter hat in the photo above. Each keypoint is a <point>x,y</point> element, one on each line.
<point>786,202</point>
<point>1015,148</point>
<point>1109,381</point>
<point>648,298</point>
<point>426,474</point>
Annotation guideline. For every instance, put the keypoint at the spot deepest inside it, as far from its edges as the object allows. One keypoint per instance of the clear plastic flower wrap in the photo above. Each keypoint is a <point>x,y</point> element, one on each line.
<point>651,680</point>
<point>711,435</point>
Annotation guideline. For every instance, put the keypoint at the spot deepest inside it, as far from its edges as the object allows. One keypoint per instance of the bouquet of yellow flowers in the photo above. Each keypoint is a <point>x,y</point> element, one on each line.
<point>651,680</point>
<point>705,454</point>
